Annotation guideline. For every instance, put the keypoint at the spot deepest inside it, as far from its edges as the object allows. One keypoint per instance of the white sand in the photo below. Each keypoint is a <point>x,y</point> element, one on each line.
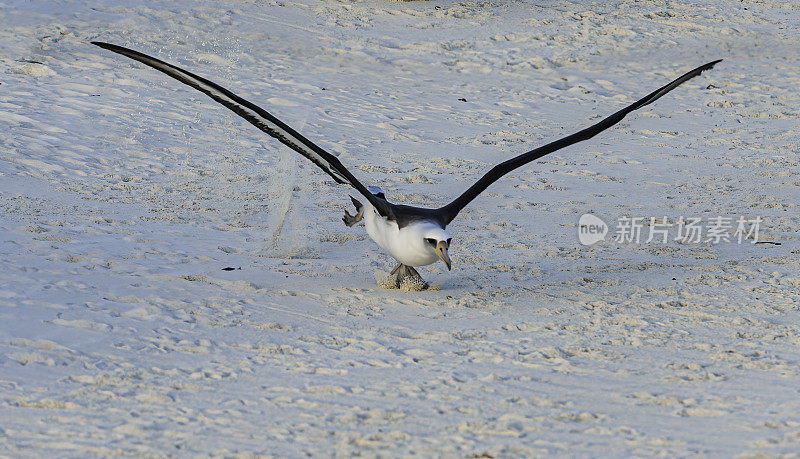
<point>124,194</point>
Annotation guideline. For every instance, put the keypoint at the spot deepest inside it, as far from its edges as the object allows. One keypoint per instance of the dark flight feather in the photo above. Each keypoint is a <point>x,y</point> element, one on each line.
<point>402,214</point>
<point>450,211</point>
<point>261,119</point>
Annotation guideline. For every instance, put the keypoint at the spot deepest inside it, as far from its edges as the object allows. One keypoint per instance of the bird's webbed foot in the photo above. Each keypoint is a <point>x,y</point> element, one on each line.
<point>351,220</point>
<point>406,277</point>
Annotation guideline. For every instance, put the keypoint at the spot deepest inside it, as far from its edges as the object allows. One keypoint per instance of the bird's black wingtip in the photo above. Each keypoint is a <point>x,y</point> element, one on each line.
<point>108,46</point>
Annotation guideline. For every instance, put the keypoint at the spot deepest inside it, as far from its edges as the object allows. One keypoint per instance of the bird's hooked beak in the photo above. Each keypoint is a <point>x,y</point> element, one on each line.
<point>441,251</point>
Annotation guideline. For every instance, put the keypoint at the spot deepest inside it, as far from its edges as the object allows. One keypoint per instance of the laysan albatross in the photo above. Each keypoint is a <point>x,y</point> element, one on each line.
<point>414,236</point>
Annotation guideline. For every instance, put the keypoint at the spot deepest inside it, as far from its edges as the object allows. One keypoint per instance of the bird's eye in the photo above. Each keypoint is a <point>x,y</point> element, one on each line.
<point>430,241</point>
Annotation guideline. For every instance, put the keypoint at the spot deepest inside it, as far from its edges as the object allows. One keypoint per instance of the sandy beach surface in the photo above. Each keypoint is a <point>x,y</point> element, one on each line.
<point>124,194</point>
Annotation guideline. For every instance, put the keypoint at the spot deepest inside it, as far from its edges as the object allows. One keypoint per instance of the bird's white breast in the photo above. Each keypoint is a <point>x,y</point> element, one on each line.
<point>406,245</point>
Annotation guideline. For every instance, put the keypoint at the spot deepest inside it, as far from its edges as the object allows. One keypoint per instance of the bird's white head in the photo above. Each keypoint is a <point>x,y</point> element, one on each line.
<point>437,240</point>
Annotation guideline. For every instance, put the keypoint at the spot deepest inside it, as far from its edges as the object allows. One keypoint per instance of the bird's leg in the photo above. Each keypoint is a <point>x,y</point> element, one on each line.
<point>404,273</point>
<point>351,220</point>
<point>398,270</point>
<point>397,274</point>
<point>414,276</point>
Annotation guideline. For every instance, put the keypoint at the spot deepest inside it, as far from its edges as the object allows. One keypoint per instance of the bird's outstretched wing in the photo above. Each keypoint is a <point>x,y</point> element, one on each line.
<point>450,211</point>
<point>259,117</point>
